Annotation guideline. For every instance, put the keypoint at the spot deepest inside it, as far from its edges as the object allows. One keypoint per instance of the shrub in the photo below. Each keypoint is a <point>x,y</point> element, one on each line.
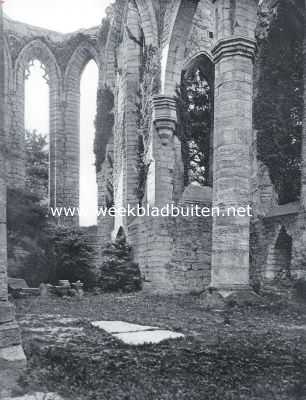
<point>118,271</point>
<point>38,250</point>
<point>70,256</point>
<point>27,237</point>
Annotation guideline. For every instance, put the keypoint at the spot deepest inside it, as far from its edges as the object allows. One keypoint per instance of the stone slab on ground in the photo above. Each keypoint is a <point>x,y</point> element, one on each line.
<point>121,327</point>
<point>134,334</point>
<point>144,337</point>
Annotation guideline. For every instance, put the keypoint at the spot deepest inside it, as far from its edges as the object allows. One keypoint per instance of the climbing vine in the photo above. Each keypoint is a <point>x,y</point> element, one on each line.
<point>104,123</point>
<point>142,168</point>
<point>149,86</point>
<point>278,105</point>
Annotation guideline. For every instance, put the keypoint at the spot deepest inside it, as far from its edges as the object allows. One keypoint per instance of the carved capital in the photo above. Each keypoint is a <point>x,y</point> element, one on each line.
<point>234,46</point>
<point>164,117</point>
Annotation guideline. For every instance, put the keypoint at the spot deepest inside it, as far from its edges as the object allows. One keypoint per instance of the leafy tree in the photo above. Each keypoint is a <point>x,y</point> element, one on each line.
<point>38,250</point>
<point>27,236</point>
<point>37,164</point>
<point>195,107</point>
<point>104,123</point>
<point>70,256</point>
<point>279,103</point>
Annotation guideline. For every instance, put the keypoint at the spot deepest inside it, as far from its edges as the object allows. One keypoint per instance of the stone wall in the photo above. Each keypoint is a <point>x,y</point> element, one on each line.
<point>174,253</point>
<point>223,32</point>
<point>267,231</point>
<point>10,340</point>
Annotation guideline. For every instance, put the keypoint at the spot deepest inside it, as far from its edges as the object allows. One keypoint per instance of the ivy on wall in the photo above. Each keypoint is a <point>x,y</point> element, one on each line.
<point>149,73</point>
<point>278,107</point>
<point>142,168</point>
<point>104,123</point>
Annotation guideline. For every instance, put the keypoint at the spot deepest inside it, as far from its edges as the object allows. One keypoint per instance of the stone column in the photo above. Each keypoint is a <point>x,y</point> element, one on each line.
<point>164,118</point>
<point>233,57</point>
<point>10,348</point>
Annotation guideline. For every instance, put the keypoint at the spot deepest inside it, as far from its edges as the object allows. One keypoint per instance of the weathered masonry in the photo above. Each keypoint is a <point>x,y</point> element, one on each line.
<point>149,46</point>
<point>142,49</point>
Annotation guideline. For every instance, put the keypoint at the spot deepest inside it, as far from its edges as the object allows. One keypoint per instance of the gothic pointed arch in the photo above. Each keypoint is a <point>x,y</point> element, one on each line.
<point>188,35</point>
<point>149,26</point>
<point>36,49</point>
<point>70,156</point>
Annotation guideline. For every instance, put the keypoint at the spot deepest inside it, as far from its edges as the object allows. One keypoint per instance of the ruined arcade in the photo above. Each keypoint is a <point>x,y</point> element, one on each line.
<point>142,50</point>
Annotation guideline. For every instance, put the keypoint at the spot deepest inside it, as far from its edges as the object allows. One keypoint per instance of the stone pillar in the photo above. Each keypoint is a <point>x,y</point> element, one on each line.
<point>233,57</point>
<point>164,118</point>
<point>69,165</point>
<point>105,199</point>
<point>10,348</point>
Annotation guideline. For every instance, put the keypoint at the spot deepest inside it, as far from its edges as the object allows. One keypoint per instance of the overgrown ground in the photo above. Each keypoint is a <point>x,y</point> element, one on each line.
<point>242,353</point>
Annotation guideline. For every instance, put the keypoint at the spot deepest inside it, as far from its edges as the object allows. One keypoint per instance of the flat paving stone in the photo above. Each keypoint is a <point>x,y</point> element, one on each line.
<point>146,337</point>
<point>134,334</point>
<point>121,327</point>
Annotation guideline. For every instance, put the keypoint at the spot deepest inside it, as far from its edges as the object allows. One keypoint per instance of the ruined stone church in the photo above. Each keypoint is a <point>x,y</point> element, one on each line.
<point>142,49</point>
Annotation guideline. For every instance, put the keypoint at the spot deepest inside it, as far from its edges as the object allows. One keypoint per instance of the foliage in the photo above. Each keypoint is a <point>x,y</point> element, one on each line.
<point>118,271</point>
<point>38,250</point>
<point>27,236</point>
<point>27,215</point>
<point>143,169</point>
<point>104,123</point>
<point>194,105</point>
<point>149,86</point>
<point>37,163</point>
<point>70,256</point>
<point>279,104</point>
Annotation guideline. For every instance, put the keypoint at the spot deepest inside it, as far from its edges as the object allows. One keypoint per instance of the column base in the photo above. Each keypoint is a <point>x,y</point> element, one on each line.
<point>12,365</point>
<point>230,295</point>
<point>10,339</point>
<point>226,290</point>
<point>13,354</point>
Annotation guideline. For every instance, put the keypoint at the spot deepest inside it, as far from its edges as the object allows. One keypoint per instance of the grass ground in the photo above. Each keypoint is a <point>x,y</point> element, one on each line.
<point>256,353</point>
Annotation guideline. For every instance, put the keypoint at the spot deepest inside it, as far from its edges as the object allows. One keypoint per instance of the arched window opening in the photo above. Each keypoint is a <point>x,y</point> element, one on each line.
<point>279,259</point>
<point>88,183</point>
<point>283,254</point>
<point>196,121</point>
<point>37,129</point>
